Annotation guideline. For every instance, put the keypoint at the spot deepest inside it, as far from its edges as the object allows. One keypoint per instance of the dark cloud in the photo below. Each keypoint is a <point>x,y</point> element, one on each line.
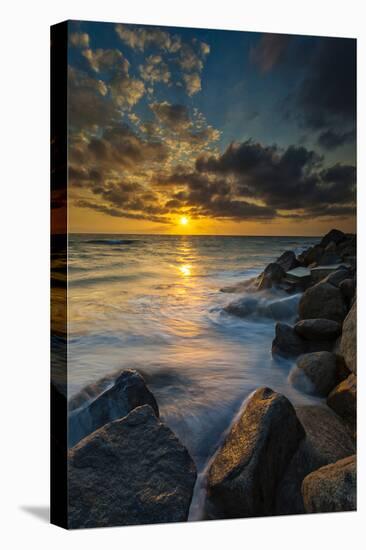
<point>269,51</point>
<point>329,139</point>
<point>326,97</point>
<point>290,179</point>
<point>175,117</point>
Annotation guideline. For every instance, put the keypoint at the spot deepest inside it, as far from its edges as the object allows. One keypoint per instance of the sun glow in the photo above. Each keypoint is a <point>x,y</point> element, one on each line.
<point>184,220</point>
<point>185,270</point>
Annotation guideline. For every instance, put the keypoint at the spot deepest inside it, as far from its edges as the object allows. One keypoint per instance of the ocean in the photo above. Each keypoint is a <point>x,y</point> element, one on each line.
<point>153,303</point>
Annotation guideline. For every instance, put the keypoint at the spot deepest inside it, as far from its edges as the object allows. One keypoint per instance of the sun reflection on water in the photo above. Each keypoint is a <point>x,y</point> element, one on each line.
<point>186,270</point>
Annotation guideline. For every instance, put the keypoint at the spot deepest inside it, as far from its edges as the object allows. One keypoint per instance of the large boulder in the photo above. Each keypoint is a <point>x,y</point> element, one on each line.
<point>271,276</point>
<point>323,301</point>
<point>348,347</point>
<point>343,400</point>
<point>337,276</point>
<point>318,329</point>
<point>348,288</point>
<point>288,260</point>
<point>320,368</point>
<point>311,255</point>
<point>244,474</point>
<point>287,343</point>
<point>130,472</point>
<point>332,488</point>
<point>335,236</point>
<point>327,440</point>
<point>128,392</point>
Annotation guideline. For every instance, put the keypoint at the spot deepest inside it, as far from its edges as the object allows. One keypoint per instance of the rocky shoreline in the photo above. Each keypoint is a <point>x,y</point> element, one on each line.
<point>127,467</point>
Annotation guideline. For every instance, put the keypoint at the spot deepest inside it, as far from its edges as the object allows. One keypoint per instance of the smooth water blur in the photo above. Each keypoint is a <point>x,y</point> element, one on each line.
<point>153,303</point>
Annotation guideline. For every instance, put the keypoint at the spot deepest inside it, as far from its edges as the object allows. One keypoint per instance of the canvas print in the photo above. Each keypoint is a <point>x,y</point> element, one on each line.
<point>203,274</point>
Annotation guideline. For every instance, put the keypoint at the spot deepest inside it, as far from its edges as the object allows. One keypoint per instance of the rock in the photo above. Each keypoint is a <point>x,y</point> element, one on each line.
<point>348,288</point>
<point>128,392</point>
<point>337,276</point>
<point>329,258</point>
<point>323,301</point>
<point>311,255</point>
<point>348,347</point>
<point>272,275</point>
<point>327,440</point>
<point>332,488</point>
<point>244,474</point>
<point>318,329</point>
<point>348,248</point>
<point>321,369</point>
<point>130,472</point>
<point>287,343</point>
<point>331,247</point>
<point>288,260</point>
<point>335,236</point>
<point>343,399</point>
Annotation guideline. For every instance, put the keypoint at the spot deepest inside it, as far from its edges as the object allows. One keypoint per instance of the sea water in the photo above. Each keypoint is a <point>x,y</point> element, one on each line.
<point>153,303</point>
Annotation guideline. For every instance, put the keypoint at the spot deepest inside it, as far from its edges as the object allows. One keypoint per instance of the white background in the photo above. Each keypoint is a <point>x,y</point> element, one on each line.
<point>24,271</point>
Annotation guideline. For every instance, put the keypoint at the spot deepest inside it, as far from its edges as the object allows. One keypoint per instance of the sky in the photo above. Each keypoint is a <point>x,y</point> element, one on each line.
<point>197,131</point>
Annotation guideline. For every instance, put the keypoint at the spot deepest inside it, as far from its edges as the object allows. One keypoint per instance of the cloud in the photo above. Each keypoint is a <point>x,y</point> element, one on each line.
<point>326,98</point>
<point>79,39</point>
<point>329,139</point>
<point>192,83</point>
<point>174,116</point>
<point>289,179</point>
<point>269,51</point>
<point>140,38</point>
<point>88,102</point>
<point>106,60</point>
<point>155,70</point>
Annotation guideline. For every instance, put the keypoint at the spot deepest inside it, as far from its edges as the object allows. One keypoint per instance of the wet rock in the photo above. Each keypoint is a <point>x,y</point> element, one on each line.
<point>288,260</point>
<point>287,343</point>
<point>332,488</point>
<point>321,369</point>
<point>335,236</point>
<point>348,288</point>
<point>244,474</point>
<point>329,258</point>
<point>343,398</point>
<point>323,301</point>
<point>348,347</point>
<point>128,392</point>
<point>337,276</point>
<point>272,275</point>
<point>311,255</point>
<point>318,329</point>
<point>130,472</point>
<point>327,440</point>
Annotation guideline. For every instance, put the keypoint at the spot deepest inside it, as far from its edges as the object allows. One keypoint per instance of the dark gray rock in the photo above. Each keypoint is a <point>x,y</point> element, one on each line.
<point>271,276</point>
<point>329,258</point>
<point>287,343</point>
<point>318,329</point>
<point>130,472</point>
<point>128,392</point>
<point>348,347</point>
<point>311,255</point>
<point>343,400</point>
<point>244,474</point>
<point>327,440</point>
<point>335,236</point>
<point>332,488</point>
<point>337,276</point>
<point>288,260</point>
<point>321,368</point>
<point>348,288</point>
<point>322,301</point>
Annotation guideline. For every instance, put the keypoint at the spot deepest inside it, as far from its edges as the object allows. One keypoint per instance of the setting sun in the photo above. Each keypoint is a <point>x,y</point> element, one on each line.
<point>184,220</point>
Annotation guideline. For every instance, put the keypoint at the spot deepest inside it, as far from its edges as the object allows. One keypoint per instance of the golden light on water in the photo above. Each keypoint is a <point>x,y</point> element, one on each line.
<point>185,270</point>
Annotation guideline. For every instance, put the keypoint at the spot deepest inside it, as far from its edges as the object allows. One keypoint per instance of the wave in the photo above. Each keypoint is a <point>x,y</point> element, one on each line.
<point>258,308</point>
<point>113,241</point>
